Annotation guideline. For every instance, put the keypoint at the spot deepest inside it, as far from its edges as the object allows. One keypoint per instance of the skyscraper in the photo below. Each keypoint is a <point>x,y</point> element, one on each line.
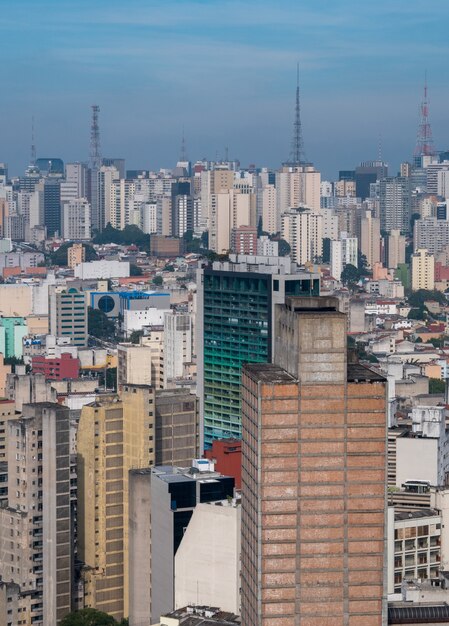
<point>313,477</point>
<point>235,325</point>
<point>68,314</point>
<point>394,203</point>
<point>367,173</point>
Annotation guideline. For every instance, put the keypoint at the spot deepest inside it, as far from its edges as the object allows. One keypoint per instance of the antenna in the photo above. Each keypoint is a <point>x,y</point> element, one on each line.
<point>183,155</point>
<point>95,150</point>
<point>379,148</point>
<point>424,140</point>
<point>297,153</point>
<point>226,154</point>
<point>33,144</point>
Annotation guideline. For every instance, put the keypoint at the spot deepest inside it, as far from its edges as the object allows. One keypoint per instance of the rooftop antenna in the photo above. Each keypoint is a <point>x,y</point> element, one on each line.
<point>226,154</point>
<point>95,150</point>
<point>33,144</point>
<point>183,155</point>
<point>424,140</point>
<point>379,148</point>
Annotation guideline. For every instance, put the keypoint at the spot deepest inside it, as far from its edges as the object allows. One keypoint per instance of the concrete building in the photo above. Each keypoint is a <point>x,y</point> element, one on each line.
<point>177,344</point>
<point>59,368</point>
<point>76,254</point>
<point>68,314</point>
<point>343,252</point>
<point>207,563</point>
<point>313,446</point>
<point>370,238</point>
<point>244,240</point>
<point>298,186</point>
<point>271,222</point>
<point>303,231</point>
<point>229,210</point>
<point>16,300</point>
<point>235,325</point>
<point>102,269</point>
<point>177,427</point>
<point>134,366</point>
<point>12,332</point>
<point>395,255</point>
<point>162,501</point>
<point>76,219</point>
<point>266,247</point>
<point>36,561</point>
<point>394,203</point>
<point>423,270</point>
<point>114,436</point>
<point>431,234</point>
<point>4,371</point>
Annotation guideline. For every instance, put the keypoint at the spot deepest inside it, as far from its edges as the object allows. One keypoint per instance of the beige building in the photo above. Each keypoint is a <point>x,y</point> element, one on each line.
<point>229,210</point>
<point>303,231</point>
<point>114,436</point>
<point>396,249</point>
<point>370,238</point>
<point>76,254</point>
<point>4,371</point>
<point>133,364</point>
<point>271,222</point>
<point>16,300</point>
<point>313,447</point>
<point>423,270</point>
<point>298,186</point>
<point>213,182</point>
<point>68,314</point>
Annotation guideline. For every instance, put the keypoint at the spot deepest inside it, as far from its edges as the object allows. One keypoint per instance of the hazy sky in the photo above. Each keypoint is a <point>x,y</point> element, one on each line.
<point>226,71</point>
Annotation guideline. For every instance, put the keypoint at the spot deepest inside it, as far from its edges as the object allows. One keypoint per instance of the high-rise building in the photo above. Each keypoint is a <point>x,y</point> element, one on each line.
<point>177,344</point>
<point>431,234</point>
<point>370,238</point>
<point>68,314</point>
<point>271,222</point>
<point>343,252</point>
<point>182,208</point>
<point>106,202</point>
<point>303,231</point>
<point>229,210</point>
<point>394,203</point>
<point>313,477</point>
<point>52,205</point>
<point>36,558</point>
<point>114,436</point>
<point>367,173</point>
<point>395,253</point>
<point>423,270</point>
<point>244,240</point>
<point>236,302</point>
<point>76,223</point>
<point>177,427</point>
<point>298,186</point>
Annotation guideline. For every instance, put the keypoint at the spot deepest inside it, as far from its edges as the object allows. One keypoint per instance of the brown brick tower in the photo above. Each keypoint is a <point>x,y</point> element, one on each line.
<point>313,478</point>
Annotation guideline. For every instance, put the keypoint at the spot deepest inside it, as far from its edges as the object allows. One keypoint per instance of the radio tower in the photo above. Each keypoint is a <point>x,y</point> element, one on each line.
<point>97,220</point>
<point>297,156</point>
<point>33,144</point>
<point>424,140</point>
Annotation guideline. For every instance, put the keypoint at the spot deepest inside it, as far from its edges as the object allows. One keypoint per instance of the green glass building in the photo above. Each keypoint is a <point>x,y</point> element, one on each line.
<point>235,326</point>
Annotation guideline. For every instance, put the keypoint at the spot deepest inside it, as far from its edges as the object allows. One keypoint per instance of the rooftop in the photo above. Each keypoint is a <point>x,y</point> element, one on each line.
<point>405,515</point>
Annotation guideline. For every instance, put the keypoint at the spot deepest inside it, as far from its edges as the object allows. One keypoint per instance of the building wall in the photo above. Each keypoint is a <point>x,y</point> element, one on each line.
<point>177,427</point>
<point>416,459</point>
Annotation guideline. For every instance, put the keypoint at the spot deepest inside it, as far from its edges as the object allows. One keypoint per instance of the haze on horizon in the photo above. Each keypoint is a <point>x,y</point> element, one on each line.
<point>226,72</point>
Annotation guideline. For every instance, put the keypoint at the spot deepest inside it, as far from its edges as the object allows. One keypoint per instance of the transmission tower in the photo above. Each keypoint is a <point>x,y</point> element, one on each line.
<point>33,144</point>
<point>424,140</point>
<point>95,150</point>
<point>183,153</point>
<point>297,156</point>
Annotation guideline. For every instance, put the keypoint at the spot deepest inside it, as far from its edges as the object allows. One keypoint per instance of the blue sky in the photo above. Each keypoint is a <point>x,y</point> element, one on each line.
<point>226,71</point>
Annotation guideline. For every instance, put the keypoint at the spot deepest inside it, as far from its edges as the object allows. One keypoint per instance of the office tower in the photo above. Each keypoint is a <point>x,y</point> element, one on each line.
<point>76,219</point>
<point>423,270</point>
<point>229,210</point>
<point>395,253</point>
<point>76,254</point>
<point>36,565</point>
<point>298,186</point>
<point>235,312</point>
<point>367,173</point>
<point>68,314</point>
<point>244,240</point>
<point>218,180</point>
<point>431,234</point>
<point>114,435</point>
<point>394,203</point>
<point>52,205</point>
<point>182,208</point>
<point>370,238</point>
<point>330,224</point>
<point>177,344</point>
<point>343,252</point>
<point>177,427</point>
<point>77,174</point>
<point>313,477</point>
<point>303,231</point>
<point>162,501</point>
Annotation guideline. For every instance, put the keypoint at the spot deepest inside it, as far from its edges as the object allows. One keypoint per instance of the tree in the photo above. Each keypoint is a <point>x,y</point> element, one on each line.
<point>350,275</point>
<point>157,280</point>
<point>135,270</point>
<point>99,325</point>
<point>88,617</point>
<point>131,234</point>
<point>436,385</point>
<point>60,256</point>
<point>135,336</point>
<point>111,378</point>
<point>284,248</point>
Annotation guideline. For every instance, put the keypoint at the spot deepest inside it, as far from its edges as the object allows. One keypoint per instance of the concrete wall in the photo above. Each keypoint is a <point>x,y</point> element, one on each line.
<point>416,459</point>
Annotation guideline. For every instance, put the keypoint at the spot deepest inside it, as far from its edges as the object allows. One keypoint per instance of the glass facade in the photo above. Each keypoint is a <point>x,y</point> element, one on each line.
<point>237,329</point>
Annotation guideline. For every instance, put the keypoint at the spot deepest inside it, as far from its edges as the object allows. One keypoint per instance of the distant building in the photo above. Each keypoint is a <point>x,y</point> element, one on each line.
<point>56,368</point>
<point>177,344</point>
<point>163,246</point>
<point>302,229</point>
<point>244,240</point>
<point>423,270</point>
<point>370,238</point>
<point>102,269</point>
<point>76,254</point>
<point>76,219</point>
<point>395,203</point>
<point>395,253</point>
<point>431,234</point>
<point>367,173</point>
<point>68,314</point>
<point>12,332</point>
<point>177,427</point>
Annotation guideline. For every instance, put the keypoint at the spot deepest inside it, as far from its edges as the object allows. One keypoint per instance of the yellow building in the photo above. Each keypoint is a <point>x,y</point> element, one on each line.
<point>115,434</point>
<point>76,254</point>
<point>423,270</point>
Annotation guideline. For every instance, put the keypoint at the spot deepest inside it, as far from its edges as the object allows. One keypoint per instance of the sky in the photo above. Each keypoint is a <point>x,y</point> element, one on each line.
<point>225,71</point>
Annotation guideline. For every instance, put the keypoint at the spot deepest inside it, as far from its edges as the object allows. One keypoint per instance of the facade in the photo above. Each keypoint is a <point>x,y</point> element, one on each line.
<point>52,205</point>
<point>66,366</point>
<point>313,447</point>
<point>303,231</point>
<point>68,314</point>
<point>36,560</point>
<point>162,501</point>
<point>227,456</point>
<point>298,186</point>
<point>235,325</point>
<point>76,219</point>
<point>102,269</point>
<point>244,240</point>
<point>343,252</point>
<point>230,210</point>
<point>114,436</point>
<point>177,344</point>
<point>394,203</point>
<point>134,366</point>
<point>165,246</point>
<point>370,238</point>
<point>12,332</point>
<point>177,427</point>
<point>76,254</point>
<point>431,234</point>
<point>423,270</point>
<point>395,249</point>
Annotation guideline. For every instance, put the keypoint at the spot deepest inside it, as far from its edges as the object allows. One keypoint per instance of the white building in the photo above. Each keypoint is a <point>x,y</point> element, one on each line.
<point>266,247</point>
<point>302,230</point>
<point>136,320</point>
<point>177,344</point>
<point>76,219</point>
<point>102,269</point>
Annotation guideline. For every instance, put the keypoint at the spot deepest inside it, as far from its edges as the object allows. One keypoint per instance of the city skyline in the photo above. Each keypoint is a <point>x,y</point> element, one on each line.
<point>226,72</point>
